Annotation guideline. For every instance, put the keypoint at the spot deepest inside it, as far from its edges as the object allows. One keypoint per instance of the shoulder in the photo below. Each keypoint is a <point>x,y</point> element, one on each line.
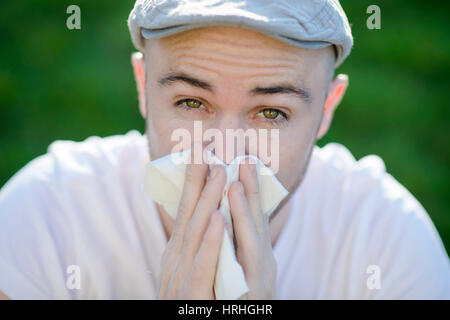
<point>356,188</point>
<point>47,204</point>
<point>67,161</point>
<point>354,182</point>
<point>376,221</point>
<point>96,155</point>
<point>69,169</point>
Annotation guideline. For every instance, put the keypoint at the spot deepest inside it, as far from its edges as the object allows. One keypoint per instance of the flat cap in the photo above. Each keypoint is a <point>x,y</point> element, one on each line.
<point>308,24</point>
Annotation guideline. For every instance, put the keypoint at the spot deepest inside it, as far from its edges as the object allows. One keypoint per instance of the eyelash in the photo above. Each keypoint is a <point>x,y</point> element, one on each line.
<point>181,104</point>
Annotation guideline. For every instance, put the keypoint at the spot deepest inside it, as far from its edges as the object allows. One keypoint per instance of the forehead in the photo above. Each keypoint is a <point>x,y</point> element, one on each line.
<point>225,52</point>
<point>223,36</point>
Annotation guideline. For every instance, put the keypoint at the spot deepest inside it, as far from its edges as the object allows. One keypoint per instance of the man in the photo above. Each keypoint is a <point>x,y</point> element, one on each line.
<point>75,223</point>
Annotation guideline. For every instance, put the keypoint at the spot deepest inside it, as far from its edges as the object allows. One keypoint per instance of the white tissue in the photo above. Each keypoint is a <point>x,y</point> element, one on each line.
<point>164,179</point>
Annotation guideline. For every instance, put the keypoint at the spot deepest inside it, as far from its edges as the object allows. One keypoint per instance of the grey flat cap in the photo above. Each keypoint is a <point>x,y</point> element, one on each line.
<point>303,23</point>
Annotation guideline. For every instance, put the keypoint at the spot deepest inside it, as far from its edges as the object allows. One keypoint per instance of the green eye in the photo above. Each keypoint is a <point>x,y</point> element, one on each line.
<point>271,113</point>
<point>191,103</point>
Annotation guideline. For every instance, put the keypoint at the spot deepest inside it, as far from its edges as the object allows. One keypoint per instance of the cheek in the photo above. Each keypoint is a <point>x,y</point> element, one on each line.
<point>295,152</point>
<point>293,158</point>
<point>160,125</point>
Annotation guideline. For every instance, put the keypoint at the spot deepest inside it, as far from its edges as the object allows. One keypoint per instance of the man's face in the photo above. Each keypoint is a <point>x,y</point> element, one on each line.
<point>231,63</point>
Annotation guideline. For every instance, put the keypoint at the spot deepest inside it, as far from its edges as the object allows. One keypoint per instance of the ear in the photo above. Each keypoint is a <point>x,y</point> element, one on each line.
<point>138,62</point>
<point>335,94</point>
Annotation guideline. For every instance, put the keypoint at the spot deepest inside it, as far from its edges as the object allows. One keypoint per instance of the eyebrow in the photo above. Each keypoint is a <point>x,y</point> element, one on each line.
<point>174,77</point>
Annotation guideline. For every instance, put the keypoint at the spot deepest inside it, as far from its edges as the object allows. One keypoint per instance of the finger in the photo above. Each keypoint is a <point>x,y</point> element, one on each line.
<point>254,252</point>
<point>194,182</point>
<point>243,225</point>
<point>208,203</point>
<point>248,176</point>
<point>205,262</point>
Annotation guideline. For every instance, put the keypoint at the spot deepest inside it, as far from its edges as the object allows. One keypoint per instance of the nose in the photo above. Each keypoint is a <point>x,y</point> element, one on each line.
<point>228,136</point>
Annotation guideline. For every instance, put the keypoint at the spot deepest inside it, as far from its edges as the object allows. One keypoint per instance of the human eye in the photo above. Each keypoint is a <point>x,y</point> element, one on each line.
<point>190,104</point>
<point>273,115</point>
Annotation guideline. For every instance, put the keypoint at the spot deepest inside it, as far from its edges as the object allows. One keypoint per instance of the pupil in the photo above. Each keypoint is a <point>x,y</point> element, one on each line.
<point>271,114</point>
<point>193,103</point>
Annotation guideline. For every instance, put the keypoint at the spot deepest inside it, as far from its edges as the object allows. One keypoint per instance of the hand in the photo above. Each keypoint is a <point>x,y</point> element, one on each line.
<point>188,266</point>
<point>252,234</point>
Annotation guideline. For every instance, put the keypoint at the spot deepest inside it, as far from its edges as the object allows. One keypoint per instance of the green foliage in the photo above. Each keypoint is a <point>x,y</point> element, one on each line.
<point>57,83</point>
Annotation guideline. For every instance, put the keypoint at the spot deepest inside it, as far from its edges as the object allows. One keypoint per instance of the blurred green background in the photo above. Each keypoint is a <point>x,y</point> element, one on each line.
<point>57,83</point>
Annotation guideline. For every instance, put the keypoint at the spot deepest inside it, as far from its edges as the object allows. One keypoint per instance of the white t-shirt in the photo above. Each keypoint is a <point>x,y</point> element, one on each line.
<point>76,224</point>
